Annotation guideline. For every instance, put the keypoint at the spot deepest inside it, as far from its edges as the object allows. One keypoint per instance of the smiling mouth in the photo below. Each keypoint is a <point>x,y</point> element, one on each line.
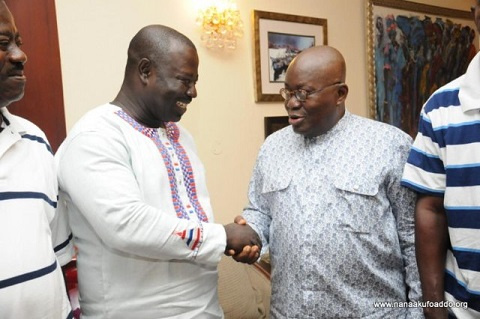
<point>18,76</point>
<point>182,105</point>
<point>16,72</point>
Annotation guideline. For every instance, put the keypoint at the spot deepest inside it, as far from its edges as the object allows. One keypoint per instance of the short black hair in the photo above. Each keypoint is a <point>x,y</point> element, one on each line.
<point>154,42</point>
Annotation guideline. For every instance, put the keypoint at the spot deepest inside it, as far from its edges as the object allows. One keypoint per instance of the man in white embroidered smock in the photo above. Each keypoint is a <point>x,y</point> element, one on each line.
<point>325,196</point>
<point>136,194</point>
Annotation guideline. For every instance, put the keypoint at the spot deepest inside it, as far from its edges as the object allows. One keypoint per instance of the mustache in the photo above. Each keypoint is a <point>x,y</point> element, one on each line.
<point>17,69</point>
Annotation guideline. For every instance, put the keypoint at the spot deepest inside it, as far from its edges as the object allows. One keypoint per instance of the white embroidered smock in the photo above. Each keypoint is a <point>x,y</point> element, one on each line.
<point>141,219</point>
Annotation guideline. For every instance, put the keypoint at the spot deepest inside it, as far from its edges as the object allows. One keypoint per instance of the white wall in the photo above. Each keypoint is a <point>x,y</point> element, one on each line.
<point>225,120</point>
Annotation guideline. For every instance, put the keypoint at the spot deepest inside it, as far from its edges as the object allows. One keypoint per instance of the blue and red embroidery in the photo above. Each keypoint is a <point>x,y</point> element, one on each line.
<point>193,237</point>
<point>173,134</point>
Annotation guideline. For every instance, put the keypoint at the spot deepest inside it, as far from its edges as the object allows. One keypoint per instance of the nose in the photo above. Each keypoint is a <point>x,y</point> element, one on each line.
<point>292,102</point>
<point>17,55</point>
<point>192,91</point>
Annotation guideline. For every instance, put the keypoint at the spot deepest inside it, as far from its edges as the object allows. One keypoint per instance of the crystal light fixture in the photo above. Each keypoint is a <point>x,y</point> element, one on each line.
<point>221,25</point>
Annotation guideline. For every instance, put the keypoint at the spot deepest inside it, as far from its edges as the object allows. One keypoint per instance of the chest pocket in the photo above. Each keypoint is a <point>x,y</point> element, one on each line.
<point>276,183</point>
<point>358,205</point>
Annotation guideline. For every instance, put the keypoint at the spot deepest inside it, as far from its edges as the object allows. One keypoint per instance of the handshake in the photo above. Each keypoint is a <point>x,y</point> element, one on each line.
<point>243,243</point>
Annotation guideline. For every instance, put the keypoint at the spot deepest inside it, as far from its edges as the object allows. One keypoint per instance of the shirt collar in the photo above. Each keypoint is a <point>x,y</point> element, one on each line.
<point>338,127</point>
<point>12,133</point>
<point>11,122</point>
<point>3,124</point>
<point>469,94</point>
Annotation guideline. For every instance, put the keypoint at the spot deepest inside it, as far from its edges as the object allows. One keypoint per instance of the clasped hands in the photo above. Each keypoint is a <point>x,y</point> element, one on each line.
<point>243,243</point>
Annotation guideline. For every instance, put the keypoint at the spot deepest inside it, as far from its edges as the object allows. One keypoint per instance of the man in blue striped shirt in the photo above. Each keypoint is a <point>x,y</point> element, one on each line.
<point>32,236</point>
<point>444,168</point>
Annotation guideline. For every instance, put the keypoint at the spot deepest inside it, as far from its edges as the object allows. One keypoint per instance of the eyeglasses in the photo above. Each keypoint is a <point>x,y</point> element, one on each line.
<point>301,94</point>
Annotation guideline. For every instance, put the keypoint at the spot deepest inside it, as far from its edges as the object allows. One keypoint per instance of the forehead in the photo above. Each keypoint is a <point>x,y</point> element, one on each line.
<point>183,58</point>
<point>7,24</point>
<point>304,72</point>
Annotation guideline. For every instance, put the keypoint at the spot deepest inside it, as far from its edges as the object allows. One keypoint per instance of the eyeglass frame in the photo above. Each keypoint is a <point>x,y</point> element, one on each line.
<point>290,93</point>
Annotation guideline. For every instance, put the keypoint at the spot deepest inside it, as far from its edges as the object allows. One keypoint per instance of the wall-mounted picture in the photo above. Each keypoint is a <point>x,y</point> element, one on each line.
<point>274,123</point>
<point>278,38</point>
<point>282,48</point>
<point>413,49</point>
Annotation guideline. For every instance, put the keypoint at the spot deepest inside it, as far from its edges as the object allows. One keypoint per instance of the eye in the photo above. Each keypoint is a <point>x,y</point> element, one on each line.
<point>302,94</point>
<point>187,82</point>
<point>4,42</point>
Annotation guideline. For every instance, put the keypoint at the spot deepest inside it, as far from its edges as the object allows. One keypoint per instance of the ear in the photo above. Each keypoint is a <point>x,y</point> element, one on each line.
<point>342,93</point>
<point>144,70</point>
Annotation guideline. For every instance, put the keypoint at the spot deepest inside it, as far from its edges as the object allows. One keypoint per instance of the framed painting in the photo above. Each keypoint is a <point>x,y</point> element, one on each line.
<point>278,38</point>
<point>412,50</point>
<point>274,123</point>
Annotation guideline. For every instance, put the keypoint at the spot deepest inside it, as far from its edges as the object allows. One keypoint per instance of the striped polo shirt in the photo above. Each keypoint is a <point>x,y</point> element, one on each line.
<point>445,161</point>
<point>32,236</point>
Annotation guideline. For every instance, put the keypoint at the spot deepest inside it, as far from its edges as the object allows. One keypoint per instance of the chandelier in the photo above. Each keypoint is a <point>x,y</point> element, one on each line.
<point>221,25</point>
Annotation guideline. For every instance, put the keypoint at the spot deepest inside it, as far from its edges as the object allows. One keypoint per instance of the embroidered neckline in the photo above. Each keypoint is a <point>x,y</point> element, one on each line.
<point>173,135</point>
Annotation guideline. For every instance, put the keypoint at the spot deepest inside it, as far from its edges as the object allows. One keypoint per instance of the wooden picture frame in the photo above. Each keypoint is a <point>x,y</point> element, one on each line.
<point>274,123</point>
<point>412,50</point>
<point>278,38</point>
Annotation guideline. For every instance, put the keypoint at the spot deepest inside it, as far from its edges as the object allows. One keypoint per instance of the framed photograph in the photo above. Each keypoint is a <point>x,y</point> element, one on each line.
<point>274,123</point>
<point>413,49</point>
<point>278,38</point>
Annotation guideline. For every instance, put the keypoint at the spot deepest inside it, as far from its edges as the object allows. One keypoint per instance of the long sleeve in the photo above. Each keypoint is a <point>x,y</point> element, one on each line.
<point>96,171</point>
<point>257,211</point>
<point>62,235</point>
<point>402,201</point>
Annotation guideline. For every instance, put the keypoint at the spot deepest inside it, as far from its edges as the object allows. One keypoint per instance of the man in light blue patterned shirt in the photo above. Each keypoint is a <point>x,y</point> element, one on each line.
<point>326,199</point>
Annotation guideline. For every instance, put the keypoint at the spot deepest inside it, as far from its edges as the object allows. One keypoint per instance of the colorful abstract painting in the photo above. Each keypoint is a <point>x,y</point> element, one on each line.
<point>413,55</point>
